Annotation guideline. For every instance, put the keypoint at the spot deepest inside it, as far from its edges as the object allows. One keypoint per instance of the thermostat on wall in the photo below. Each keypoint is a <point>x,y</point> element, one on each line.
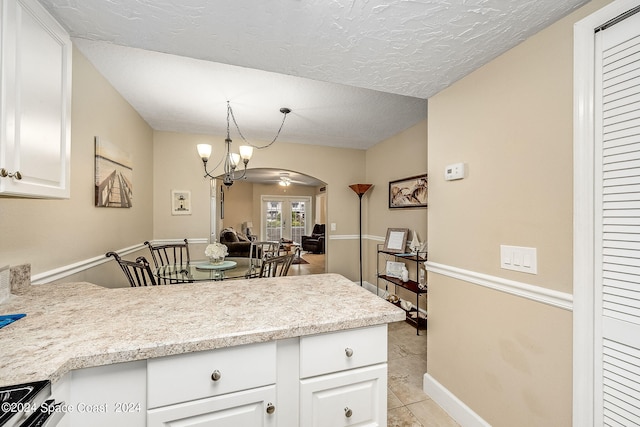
<point>454,171</point>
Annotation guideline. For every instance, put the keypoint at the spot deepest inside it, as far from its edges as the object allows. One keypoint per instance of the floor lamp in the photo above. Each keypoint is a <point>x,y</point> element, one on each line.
<point>360,189</point>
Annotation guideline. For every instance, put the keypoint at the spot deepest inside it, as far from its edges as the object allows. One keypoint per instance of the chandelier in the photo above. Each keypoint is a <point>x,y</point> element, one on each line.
<point>232,160</point>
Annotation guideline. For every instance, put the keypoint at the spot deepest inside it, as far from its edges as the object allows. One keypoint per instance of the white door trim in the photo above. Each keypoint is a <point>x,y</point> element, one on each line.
<point>583,208</point>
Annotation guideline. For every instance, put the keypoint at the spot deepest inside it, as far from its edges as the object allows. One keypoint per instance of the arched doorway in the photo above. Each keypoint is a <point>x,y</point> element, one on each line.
<point>269,208</point>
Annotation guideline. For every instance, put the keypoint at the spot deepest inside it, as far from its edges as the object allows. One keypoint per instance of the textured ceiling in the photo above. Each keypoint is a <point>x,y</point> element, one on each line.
<point>334,63</point>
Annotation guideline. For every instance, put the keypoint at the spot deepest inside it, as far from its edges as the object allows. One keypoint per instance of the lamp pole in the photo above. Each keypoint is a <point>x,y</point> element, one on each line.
<point>360,190</point>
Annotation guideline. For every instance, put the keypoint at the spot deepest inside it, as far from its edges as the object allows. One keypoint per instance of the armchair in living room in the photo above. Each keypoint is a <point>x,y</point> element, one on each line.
<point>315,242</point>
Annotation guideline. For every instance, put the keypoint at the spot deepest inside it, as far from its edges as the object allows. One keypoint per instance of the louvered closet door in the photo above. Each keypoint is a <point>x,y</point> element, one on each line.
<point>618,208</point>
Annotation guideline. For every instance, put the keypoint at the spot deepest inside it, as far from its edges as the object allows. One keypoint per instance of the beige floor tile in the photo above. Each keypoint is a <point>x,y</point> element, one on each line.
<point>393,401</point>
<point>429,414</point>
<point>405,378</point>
<point>402,417</point>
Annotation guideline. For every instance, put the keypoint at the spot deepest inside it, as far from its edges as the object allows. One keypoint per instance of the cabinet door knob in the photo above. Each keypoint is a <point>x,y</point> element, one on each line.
<point>270,408</point>
<point>216,375</point>
<point>5,173</point>
<point>348,412</point>
<point>348,352</point>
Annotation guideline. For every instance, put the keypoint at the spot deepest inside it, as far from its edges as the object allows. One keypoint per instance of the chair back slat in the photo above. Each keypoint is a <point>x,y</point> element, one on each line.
<point>169,254</point>
<point>137,272</point>
<point>276,266</point>
<point>259,251</point>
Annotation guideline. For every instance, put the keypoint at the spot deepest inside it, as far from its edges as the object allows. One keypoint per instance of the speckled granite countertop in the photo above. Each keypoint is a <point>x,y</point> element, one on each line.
<point>78,325</point>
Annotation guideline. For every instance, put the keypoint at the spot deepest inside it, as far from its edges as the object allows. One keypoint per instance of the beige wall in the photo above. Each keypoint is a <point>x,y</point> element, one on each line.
<point>398,157</point>
<point>238,206</point>
<point>176,163</point>
<point>508,358</point>
<point>49,234</point>
<point>177,166</point>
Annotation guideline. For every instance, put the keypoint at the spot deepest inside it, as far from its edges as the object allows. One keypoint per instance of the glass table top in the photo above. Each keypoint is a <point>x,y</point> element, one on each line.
<point>203,270</point>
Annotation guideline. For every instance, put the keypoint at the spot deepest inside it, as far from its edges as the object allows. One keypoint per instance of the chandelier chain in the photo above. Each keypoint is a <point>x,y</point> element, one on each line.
<point>230,111</point>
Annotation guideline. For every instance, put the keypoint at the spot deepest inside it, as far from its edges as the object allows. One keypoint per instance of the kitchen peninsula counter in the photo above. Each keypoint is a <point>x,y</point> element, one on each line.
<point>80,325</point>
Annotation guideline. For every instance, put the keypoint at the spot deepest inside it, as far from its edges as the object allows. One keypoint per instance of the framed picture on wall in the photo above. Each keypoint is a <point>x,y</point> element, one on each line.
<point>113,176</point>
<point>180,202</point>
<point>408,192</point>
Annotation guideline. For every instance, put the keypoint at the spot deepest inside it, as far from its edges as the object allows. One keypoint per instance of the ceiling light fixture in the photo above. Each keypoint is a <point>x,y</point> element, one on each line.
<point>285,181</point>
<point>231,160</point>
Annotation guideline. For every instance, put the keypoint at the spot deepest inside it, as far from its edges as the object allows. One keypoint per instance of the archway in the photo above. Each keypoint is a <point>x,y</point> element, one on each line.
<point>270,209</point>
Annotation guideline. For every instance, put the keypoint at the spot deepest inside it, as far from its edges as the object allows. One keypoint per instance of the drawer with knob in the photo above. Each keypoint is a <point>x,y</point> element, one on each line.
<point>339,351</point>
<point>186,377</point>
<point>350,398</point>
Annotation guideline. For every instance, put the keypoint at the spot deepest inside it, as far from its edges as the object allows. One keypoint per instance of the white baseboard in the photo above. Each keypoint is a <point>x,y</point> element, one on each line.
<point>453,406</point>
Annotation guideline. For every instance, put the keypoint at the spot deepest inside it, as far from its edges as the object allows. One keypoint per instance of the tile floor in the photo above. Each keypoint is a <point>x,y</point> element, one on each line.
<point>407,405</point>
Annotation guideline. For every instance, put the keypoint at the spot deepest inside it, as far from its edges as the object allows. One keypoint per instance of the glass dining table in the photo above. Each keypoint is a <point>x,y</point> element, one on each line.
<point>204,270</point>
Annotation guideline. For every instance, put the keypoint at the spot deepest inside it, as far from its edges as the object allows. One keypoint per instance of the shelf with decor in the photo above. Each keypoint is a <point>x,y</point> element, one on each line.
<point>414,316</point>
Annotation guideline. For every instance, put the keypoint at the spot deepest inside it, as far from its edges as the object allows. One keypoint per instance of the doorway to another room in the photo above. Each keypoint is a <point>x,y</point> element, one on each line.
<point>261,208</point>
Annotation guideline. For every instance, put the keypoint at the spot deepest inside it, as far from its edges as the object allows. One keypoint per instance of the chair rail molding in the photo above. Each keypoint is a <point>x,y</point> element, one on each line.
<point>77,267</point>
<point>557,299</point>
<point>355,237</point>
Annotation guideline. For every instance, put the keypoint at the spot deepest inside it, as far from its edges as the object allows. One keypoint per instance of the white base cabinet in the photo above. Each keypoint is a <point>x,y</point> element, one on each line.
<point>344,378</point>
<point>333,379</point>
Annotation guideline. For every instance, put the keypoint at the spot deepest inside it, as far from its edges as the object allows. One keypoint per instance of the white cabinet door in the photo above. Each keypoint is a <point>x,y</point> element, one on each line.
<point>255,408</point>
<point>35,76</point>
<point>349,398</point>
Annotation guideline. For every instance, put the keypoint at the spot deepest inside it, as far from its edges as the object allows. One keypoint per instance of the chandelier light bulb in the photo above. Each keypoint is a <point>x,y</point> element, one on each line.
<point>234,159</point>
<point>204,150</point>
<point>246,151</point>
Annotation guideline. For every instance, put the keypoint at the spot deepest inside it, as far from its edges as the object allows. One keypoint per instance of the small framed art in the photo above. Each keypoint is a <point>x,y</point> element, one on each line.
<point>180,202</point>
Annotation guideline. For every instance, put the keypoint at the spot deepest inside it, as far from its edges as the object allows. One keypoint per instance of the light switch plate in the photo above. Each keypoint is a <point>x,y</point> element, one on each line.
<point>454,171</point>
<point>519,258</point>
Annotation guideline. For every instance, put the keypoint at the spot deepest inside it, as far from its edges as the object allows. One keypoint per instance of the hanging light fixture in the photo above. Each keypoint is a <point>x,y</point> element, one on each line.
<point>232,160</point>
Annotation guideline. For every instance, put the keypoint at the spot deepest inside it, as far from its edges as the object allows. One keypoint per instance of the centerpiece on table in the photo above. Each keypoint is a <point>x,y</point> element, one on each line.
<point>216,253</point>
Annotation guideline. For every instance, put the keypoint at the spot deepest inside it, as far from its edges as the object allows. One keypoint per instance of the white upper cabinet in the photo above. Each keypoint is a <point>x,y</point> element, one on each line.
<point>35,96</point>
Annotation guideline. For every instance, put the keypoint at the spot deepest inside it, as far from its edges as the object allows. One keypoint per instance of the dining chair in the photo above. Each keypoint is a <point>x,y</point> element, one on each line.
<point>260,251</point>
<point>138,272</point>
<point>276,266</point>
<point>169,253</point>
